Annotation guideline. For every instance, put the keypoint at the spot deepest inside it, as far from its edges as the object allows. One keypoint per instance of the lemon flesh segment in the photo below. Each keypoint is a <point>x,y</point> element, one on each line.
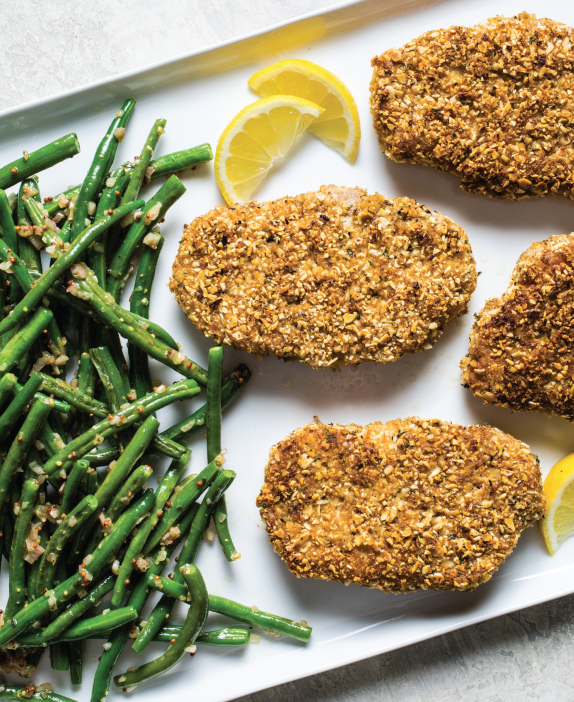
<point>558,523</point>
<point>255,138</point>
<point>339,126</point>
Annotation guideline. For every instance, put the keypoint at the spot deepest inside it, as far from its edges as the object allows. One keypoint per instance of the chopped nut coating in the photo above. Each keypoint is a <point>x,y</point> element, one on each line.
<point>400,506</point>
<point>492,103</point>
<point>521,350</point>
<point>335,277</point>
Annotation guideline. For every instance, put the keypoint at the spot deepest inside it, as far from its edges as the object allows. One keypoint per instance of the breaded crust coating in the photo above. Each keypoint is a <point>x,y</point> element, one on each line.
<point>521,350</point>
<point>331,278</point>
<point>493,104</point>
<point>400,506</point>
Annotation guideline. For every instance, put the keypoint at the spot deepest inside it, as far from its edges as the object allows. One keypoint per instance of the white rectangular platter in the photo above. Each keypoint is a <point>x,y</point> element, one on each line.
<point>198,95</point>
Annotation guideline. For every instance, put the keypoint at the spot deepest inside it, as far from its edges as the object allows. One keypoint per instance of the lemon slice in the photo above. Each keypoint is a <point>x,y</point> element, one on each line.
<point>255,138</point>
<point>558,523</point>
<point>339,125</point>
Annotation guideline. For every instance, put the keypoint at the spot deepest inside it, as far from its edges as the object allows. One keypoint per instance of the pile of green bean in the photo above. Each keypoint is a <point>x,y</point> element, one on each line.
<point>77,521</point>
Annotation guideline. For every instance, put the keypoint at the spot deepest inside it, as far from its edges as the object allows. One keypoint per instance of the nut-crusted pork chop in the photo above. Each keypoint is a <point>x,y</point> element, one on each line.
<point>521,350</point>
<point>409,504</point>
<point>493,104</point>
<point>335,277</point>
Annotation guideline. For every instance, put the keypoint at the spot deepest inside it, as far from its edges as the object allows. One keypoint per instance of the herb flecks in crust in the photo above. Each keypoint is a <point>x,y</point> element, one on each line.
<point>400,506</point>
<point>332,278</point>
<point>521,350</point>
<point>493,104</point>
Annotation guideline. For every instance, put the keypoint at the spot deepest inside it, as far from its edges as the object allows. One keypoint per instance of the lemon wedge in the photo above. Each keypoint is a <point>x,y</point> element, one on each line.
<point>558,523</point>
<point>255,138</point>
<point>339,125</point>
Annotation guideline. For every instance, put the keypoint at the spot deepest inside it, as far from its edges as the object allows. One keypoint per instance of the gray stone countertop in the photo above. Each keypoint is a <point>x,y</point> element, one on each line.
<point>56,45</point>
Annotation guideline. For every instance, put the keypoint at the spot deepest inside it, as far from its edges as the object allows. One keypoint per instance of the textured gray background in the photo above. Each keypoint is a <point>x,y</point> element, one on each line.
<point>52,45</point>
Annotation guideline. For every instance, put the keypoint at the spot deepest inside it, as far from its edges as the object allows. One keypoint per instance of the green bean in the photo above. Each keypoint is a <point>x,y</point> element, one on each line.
<point>163,493</point>
<point>158,167</point>
<point>141,165</point>
<point>7,533</point>
<point>120,635</point>
<point>59,658</point>
<point>188,553</point>
<point>33,570</point>
<point>17,581</point>
<point>251,616</point>
<point>4,297</point>
<point>64,261</point>
<point>28,252</point>
<point>128,317</point>
<point>231,389</point>
<point>135,333</point>
<point>93,627</point>
<point>223,534</point>
<point>52,204</point>
<point>168,447</point>
<point>109,200</point>
<point>62,624</point>
<point>20,692</point>
<point>22,398</point>
<point>7,386</point>
<point>72,484</point>
<point>62,593</point>
<point>218,637</point>
<point>57,294</point>
<point>102,457</point>
<point>207,507</point>
<point>72,396</point>
<point>40,607</point>
<point>76,654</point>
<point>51,441</point>
<point>110,338</point>
<point>139,301</point>
<point>19,449</point>
<point>255,617</point>
<point>179,161</point>
<point>11,241</point>
<point>196,616</point>
<point>230,636</point>
<point>98,171</point>
<point>169,588</point>
<point>139,304</point>
<point>110,378</point>
<point>247,615</point>
<point>134,483</point>
<point>181,501</point>
<point>213,423</point>
<point>35,211</point>
<point>153,212</point>
<point>87,375</point>
<point>68,526</point>
<point>16,236</point>
<point>162,610</point>
<point>111,543</point>
<point>45,157</point>
<point>115,478</point>
<point>23,339</point>
<point>213,426</point>
<point>53,599</point>
<point>114,647</point>
<point>25,281</point>
<point>182,390</point>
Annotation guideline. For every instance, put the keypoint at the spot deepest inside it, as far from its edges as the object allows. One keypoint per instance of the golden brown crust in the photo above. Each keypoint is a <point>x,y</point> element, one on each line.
<point>409,504</point>
<point>521,350</point>
<point>493,104</point>
<point>331,278</point>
